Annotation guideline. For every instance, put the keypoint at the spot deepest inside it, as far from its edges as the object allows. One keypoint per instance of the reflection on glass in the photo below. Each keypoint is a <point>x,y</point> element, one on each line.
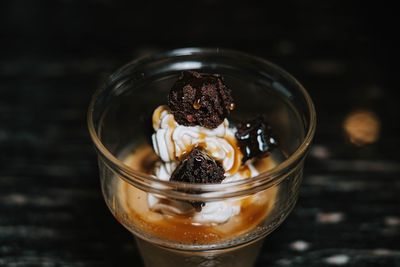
<point>362,127</point>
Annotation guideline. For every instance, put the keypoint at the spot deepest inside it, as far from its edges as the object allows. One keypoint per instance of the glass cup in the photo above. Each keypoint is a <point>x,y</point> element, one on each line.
<point>119,121</point>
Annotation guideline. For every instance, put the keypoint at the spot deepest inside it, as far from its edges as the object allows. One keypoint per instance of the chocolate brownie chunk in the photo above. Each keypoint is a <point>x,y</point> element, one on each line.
<point>198,167</point>
<point>255,138</point>
<point>200,99</point>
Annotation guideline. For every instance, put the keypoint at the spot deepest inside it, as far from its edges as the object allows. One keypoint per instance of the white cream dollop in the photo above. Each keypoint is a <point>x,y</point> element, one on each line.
<point>171,141</point>
<point>215,212</point>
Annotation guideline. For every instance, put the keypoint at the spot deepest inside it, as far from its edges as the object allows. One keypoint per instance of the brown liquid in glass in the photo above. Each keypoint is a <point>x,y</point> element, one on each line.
<point>180,228</point>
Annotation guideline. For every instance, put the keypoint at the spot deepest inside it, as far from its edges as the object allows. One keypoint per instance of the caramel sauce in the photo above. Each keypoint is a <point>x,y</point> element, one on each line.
<point>263,164</point>
<point>237,161</point>
<point>197,104</point>
<point>171,123</point>
<point>172,126</point>
<point>189,148</point>
<point>202,136</point>
<point>245,171</point>
<point>157,115</point>
<point>181,228</point>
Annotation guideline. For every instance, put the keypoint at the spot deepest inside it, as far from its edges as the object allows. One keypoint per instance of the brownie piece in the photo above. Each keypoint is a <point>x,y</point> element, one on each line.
<point>198,167</point>
<point>200,99</point>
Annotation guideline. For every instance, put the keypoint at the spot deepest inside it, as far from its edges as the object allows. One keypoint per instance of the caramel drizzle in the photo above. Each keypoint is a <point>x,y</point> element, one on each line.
<point>202,136</point>
<point>237,160</point>
<point>188,149</point>
<point>245,171</point>
<point>157,116</point>
<point>197,104</point>
<point>172,126</point>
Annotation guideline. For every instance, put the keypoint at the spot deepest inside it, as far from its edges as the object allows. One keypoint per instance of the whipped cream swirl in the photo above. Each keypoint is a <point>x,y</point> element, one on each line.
<point>171,141</point>
<point>213,212</point>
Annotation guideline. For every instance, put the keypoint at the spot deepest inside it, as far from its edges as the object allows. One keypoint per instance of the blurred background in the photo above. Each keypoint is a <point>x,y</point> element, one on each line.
<point>55,53</point>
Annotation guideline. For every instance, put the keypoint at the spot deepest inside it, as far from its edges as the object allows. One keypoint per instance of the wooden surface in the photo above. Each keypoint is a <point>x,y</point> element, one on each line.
<point>54,54</point>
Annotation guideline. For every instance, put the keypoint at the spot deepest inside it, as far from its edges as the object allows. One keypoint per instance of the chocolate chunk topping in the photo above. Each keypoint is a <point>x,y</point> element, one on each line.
<point>200,99</point>
<point>255,138</point>
<point>198,167</point>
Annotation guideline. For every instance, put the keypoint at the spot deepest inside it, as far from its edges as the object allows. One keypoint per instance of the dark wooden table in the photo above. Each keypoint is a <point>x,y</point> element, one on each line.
<point>54,54</point>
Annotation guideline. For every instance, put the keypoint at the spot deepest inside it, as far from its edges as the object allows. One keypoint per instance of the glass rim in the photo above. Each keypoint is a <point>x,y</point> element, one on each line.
<point>181,190</point>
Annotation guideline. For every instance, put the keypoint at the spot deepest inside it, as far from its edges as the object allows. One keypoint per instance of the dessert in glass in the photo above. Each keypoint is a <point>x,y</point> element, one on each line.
<point>201,153</point>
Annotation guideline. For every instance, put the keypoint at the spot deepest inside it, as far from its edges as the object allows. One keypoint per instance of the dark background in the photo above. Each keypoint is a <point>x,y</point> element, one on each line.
<point>54,54</point>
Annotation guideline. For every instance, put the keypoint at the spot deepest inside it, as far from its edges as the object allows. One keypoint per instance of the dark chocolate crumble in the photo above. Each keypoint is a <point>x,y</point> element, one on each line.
<point>200,99</point>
